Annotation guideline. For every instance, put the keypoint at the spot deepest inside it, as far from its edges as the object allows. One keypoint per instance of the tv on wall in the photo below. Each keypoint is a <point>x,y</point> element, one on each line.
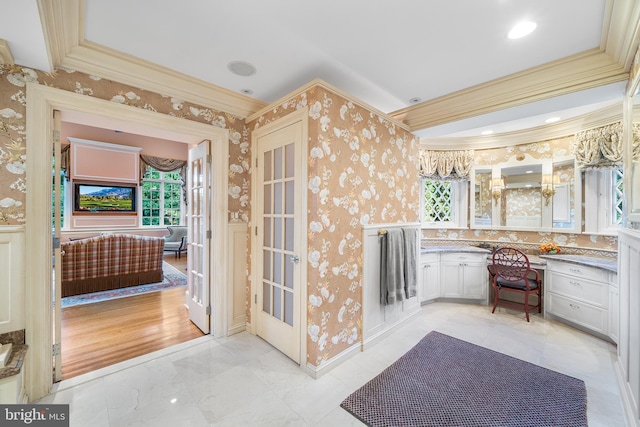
<point>104,198</point>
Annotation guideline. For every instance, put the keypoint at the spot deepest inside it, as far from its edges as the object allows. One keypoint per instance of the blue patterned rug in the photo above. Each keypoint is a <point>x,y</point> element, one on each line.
<point>444,381</point>
<point>173,278</point>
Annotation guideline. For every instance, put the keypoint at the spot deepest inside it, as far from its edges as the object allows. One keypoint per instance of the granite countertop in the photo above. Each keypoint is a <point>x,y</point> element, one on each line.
<point>14,364</point>
<point>609,264</point>
<point>461,248</point>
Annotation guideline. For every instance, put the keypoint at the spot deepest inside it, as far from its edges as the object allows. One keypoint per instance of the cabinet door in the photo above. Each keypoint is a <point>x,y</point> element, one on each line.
<point>450,279</point>
<point>430,281</point>
<point>614,320</point>
<point>474,281</point>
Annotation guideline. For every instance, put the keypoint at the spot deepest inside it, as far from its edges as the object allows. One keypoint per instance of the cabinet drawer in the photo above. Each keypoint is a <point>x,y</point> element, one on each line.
<point>429,258</point>
<point>583,314</point>
<point>587,272</point>
<point>464,257</point>
<point>580,289</point>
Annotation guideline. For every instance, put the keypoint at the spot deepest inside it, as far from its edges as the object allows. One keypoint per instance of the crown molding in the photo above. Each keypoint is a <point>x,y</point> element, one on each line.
<point>578,72</point>
<point>63,24</point>
<point>561,129</point>
<point>6,57</point>
<point>321,83</point>
<point>621,31</point>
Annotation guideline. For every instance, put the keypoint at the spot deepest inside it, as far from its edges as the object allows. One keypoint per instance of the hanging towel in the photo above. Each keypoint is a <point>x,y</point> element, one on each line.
<point>410,261</point>
<point>392,267</point>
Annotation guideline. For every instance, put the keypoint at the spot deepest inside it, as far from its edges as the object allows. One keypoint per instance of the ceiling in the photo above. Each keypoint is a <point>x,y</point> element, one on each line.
<point>454,56</point>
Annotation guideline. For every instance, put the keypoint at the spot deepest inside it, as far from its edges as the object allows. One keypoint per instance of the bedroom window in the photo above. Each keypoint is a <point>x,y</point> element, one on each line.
<point>161,198</point>
<point>444,204</point>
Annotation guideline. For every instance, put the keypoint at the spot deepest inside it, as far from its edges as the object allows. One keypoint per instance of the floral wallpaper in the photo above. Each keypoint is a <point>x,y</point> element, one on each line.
<point>362,169</point>
<point>537,150</point>
<point>13,141</point>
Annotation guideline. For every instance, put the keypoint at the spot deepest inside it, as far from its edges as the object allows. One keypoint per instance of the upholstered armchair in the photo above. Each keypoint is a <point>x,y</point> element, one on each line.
<point>176,241</point>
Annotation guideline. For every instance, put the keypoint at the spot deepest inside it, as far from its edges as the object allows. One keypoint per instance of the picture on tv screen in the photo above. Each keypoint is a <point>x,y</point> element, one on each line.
<point>104,198</point>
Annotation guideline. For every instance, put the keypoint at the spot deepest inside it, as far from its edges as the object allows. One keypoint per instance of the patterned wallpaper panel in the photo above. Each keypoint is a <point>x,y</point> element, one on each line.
<point>362,169</point>
<point>13,141</point>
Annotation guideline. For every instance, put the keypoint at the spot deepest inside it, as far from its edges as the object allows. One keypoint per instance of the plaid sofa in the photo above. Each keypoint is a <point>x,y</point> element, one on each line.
<point>110,262</point>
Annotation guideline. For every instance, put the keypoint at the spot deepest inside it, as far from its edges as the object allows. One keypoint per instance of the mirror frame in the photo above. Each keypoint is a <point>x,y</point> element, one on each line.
<point>631,168</point>
<point>547,210</point>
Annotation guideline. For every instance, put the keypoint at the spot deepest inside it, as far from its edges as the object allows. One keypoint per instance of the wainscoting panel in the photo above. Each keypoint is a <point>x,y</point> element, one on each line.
<point>11,279</point>
<point>237,268</point>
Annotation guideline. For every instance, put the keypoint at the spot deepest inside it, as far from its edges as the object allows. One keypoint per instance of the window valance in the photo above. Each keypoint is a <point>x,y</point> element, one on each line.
<point>603,148</point>
<point>165,165</point>
<point>446,165</point>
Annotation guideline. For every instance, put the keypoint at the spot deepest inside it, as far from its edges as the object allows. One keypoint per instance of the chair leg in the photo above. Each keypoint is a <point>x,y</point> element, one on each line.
<point>495,300</point>
<point>526,305</point>
<point>539,301</point>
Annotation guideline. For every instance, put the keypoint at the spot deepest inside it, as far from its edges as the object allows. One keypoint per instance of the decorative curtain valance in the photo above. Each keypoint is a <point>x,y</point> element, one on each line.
<point>602,148</point>
<point>65,159</point>
<point>446,165</point>
<point>165,165</point>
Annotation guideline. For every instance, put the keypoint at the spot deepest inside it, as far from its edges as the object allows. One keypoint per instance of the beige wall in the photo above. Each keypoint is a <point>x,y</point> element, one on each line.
<point>362,169</point>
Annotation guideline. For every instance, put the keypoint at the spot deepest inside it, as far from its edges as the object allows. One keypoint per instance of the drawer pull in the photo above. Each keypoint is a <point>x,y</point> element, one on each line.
<point>578,284</point>
<point>574,306</point>
<point>575,270</point>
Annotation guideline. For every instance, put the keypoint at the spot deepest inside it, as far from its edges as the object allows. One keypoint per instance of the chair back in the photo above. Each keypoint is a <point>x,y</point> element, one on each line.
<point>510,264</point>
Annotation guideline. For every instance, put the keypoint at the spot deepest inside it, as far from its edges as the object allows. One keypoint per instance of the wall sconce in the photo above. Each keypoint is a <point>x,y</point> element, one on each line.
<point>497,184</point>
<point>548,190</point>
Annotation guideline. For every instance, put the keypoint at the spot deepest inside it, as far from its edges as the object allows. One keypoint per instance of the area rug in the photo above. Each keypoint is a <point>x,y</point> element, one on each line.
<point>444,381</point>
<point>173,278</point>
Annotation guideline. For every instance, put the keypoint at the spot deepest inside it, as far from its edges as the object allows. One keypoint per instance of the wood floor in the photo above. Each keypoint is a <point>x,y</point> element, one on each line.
<point>104,333</point>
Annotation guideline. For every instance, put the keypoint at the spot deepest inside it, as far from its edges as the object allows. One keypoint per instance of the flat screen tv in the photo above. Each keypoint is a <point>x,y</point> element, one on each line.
<point>104,198</point>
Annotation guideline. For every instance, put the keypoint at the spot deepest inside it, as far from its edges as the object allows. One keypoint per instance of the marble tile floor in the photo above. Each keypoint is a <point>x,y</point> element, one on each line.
<point>243,381</point>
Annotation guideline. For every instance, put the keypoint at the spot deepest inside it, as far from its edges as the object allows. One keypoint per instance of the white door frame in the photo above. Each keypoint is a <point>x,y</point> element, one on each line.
<point>300,115</point>
<point>41,101</point>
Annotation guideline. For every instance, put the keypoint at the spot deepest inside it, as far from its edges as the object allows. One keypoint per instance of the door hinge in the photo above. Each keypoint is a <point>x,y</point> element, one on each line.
<point>209,158</point>
<point>55,135</point>
<point>256,162</point>
<point>56,349</point>
<point>208,310</point>
<point>55,241</point>
<point>208,234</point>
<point>255,298</point>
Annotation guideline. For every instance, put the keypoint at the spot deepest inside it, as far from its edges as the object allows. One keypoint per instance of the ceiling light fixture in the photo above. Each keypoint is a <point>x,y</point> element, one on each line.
<point>246,91</point>
<point>415,100</point>
<point>241,68</point>
<point>522,29</point>
<point>552,120</point>
<point>487,132</point>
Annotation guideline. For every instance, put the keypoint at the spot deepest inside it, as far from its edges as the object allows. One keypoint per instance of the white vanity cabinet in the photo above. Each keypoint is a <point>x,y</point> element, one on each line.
<point>429,277</point>
<point>581,295</point>
<point>464,275</point>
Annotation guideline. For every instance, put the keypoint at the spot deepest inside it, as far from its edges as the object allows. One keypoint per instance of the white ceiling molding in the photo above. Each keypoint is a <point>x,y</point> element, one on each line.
<point>557,130</point>
<point>331,88</point>
<point>596,68</point>
<point>6,57</point>
<point>63,26</point>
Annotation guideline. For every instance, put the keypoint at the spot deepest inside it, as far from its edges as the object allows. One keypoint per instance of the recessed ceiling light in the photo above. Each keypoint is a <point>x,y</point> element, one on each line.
<point>246,91</point>
<point>522,29</point>
<point>552,120</point>
<point>528,171</point>
<point>486,132</point>
<point>415,100</point>
<point>241,68</point>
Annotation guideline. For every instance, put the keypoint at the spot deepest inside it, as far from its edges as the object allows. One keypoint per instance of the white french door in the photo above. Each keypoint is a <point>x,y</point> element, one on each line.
<point>279,188</point>
<point>199,224</point>
<point>57,254</point>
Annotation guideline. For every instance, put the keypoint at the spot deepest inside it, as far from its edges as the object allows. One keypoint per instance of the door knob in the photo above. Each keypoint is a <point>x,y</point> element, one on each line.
<point>294,259</point>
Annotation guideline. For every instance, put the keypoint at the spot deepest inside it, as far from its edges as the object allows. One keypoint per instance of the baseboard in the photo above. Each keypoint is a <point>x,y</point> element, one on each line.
<point>236,329</point>
<point>326,366</point>
<point>373,339</point>
<point>632,420</point>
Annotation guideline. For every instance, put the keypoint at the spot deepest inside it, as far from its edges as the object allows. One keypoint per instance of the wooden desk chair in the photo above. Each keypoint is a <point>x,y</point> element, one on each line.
<point>512,273</point>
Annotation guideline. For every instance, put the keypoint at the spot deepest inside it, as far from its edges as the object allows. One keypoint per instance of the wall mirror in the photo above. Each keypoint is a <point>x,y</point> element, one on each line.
<point>632,179</point>
<point>531,194</point>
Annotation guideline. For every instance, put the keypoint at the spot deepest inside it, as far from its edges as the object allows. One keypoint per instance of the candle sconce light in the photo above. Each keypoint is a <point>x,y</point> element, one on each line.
<point>497,184</point>
<point>548,187</point>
